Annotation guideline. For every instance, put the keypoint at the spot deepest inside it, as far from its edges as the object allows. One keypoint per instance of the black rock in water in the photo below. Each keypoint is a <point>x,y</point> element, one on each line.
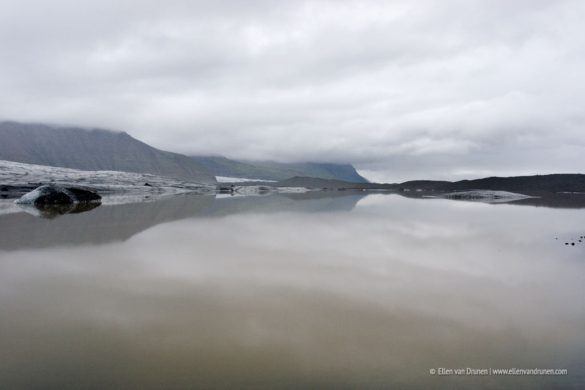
<point>83,196</point>
<point>57,195</point>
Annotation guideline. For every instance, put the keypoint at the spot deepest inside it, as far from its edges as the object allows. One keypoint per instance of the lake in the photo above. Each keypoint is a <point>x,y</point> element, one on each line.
<point>317,290</point>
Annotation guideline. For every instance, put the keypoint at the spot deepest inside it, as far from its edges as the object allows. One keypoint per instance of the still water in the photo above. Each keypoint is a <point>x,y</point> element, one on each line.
<point>324,290</point>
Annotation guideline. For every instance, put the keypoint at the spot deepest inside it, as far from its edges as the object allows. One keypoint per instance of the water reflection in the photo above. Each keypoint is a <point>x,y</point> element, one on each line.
<point>50,211</point>
<point>120,222</point>
<point>573,200</point>
<point>266,294</point>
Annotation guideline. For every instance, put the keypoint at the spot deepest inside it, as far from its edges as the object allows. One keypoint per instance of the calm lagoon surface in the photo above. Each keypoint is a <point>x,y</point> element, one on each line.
<point>318,290</point>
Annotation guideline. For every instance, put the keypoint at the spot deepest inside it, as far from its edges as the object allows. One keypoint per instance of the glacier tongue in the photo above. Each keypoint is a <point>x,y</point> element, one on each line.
<point>114,185</point>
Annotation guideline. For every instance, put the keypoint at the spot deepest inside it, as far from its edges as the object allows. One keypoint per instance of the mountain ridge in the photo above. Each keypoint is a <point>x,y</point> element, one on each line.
<point>273,170</point>
<point>93,149</point>
<point>534,184</point>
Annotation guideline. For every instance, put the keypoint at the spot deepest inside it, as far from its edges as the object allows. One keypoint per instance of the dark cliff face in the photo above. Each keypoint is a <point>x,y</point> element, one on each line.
<point>271,170</point>
<point>93,149</point>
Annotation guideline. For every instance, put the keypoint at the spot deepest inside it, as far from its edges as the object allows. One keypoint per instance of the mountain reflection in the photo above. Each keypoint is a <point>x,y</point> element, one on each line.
<point>120,222</point>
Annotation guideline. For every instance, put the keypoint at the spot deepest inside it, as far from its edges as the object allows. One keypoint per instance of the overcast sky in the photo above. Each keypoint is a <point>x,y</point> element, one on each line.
<point>401,89</point>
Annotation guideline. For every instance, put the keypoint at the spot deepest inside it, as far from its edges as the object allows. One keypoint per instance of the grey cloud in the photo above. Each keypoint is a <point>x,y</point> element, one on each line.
<point>402,89</point>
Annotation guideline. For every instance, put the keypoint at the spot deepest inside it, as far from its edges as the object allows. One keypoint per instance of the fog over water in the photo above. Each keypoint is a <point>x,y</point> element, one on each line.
<point>285,291</point>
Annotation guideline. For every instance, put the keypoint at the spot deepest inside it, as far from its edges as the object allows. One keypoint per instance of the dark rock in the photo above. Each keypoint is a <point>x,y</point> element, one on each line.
<point>53,194</point>
<point>83,196</point>
<point>147,185</point>
<point>53,197</point>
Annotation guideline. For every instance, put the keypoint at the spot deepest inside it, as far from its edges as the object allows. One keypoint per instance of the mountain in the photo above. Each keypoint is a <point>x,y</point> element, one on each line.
<point>99,149</point>
<point>271,170</point>
<point>313,182</point>
<point>539,185</point>
<point>547,183</point>
<point>553,183</point>
<point>93,150</point>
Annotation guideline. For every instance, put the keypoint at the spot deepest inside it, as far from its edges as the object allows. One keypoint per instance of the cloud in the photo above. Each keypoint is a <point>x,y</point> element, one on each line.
<point>399,88</point>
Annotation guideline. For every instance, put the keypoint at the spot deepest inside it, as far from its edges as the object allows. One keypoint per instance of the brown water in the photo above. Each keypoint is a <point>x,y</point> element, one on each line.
<point>299,291</point>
